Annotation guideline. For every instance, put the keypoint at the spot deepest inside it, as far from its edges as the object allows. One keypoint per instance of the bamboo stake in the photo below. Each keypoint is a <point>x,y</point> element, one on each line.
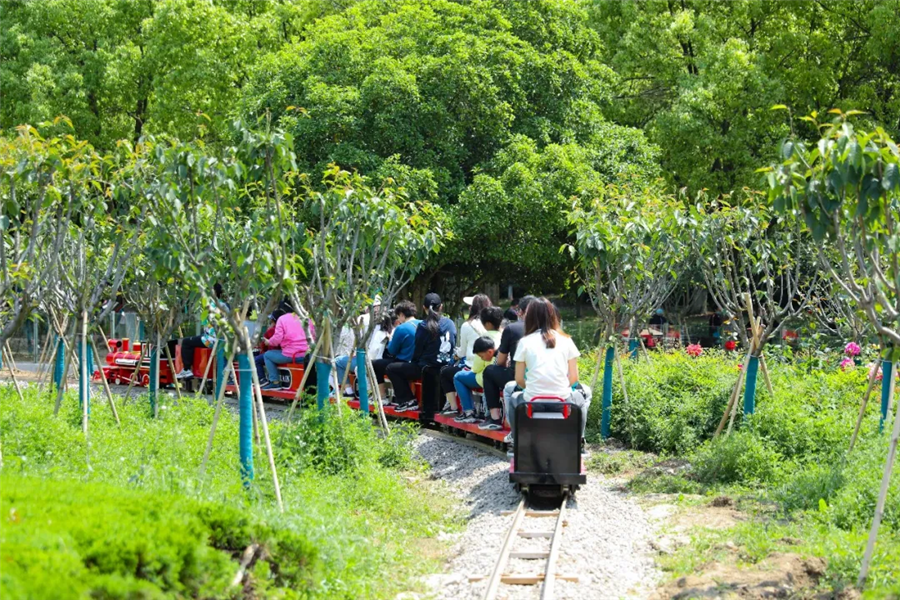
<point>621,378</point>
<point>229,368</point>
<point>765,372</point>
<point>172,369</point>
<point>600,353</point>
<point>13,374</point>
<point>865,402</point>
<point>370,370</point>
<point>84,383</point>
<point>109,398</point>
<point>9,357</point>
<point>134,374</point>
<point>206,370</point>
<point>43,358</point>
<point>264,424</point>
<point>737,397</point>
<point>731,401</point>
<point>312,361</point>
<point>882,495</point>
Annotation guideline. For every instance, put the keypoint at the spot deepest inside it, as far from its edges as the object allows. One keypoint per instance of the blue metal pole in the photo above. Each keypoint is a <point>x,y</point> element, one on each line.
<point>887,371</point>
<point>245,410</point>
<point>141,331</point>
<point>323,373</point>
<point>59,366</point>
<point>84,388</point>
<point>362,381</point>
<point>220,366</point>
<point>750,391</point>
<point>633,346</point>
<point>607,391</point>
<point>154,366</point>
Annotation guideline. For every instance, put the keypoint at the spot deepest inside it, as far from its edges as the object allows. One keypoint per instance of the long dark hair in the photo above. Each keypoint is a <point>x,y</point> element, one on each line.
<point>432,305</point>
<point>479,303</point>
<point>541,316</point>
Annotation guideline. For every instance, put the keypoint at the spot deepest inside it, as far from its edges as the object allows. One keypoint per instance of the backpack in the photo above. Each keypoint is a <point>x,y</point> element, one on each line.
<point>445,352</point>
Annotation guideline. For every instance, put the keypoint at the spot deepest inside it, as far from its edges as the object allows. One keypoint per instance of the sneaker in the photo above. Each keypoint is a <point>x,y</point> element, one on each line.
<point>491,425</point>
<point>271,386</point>
<point>467,417</point>
<point>411,405</point>
<point>509,438</point>
<point>449,411</point>
<point>184,374</point>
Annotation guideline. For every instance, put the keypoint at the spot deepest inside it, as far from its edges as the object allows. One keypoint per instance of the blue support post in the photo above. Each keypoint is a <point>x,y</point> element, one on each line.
<point>362,381</point>
<point>887,371</point>
<point>607,391</point>
<point>750,391</point>
<point>323,373</point>
<point>59,365</point>
<point>141,331</point>
<point>220,366</point>
<point>633,346</point>
<point>154,366</point>
<point>84,388</point>
<point>245,411</point>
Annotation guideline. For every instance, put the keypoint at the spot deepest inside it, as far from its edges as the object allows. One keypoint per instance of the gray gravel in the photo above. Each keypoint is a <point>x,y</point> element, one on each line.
<point>606,543</point>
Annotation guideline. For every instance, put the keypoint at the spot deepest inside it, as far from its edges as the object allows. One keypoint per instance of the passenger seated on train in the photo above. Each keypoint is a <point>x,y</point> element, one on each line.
<point>381,336</point>
<point>259,358</point>
<point>434,342</point>
<point>402,344</point>
<point>342,353</point>
<point>496,376</point>
<point>467,380</point>
<point>205,340</point>
<point>546,364</point>
<point>289,344</point>
<point>469,331</point>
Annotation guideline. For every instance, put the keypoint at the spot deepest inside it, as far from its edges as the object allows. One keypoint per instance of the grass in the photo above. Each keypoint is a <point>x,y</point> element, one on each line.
<point>351,511</point>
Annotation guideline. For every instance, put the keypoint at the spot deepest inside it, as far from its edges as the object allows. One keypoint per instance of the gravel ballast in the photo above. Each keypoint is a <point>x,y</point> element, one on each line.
<point>606,542</point>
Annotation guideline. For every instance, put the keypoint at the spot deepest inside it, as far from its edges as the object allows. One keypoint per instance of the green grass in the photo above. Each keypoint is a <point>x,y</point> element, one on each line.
<point>351,513</point>
<point>790,456</point>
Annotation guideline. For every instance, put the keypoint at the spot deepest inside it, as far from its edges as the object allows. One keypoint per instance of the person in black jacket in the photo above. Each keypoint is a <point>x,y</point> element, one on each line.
<point>434,345</point>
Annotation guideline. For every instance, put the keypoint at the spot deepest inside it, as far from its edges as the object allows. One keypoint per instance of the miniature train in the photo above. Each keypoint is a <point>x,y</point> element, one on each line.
<point>545,458</point>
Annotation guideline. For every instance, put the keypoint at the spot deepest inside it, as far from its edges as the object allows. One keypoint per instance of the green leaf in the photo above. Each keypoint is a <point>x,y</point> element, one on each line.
<point>891,178</point>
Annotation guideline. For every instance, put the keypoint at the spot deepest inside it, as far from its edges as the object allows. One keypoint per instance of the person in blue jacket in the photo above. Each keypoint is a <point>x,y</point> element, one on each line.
<point>402,344</point>
<point>435,342</point>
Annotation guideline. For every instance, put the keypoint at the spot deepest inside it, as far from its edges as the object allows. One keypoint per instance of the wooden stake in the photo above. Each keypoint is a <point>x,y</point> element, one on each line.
<point>865,401</point>
<point>9,357</point>
<point>731,400</point>
<point>109,398</point>
<point>172,369</point>
<point>264,423</point>
<point>229,368</point>
<point>206,370</point>
<point>621,378</point>
<point>13,374</point>
<point>370,370</point>
<point>134,374</point>
<point>312,361</point>
<point>84,382</point>
<point>765,372</point>
<point>882,495</point>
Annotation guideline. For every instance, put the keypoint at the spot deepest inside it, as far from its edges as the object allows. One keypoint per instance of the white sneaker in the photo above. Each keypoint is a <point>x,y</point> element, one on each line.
<point>509,438</point>
<point>184,374</point>
<point>348,391</point>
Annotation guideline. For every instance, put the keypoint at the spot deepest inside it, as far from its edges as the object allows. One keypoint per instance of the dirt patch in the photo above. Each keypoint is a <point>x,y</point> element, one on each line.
<point>777,576</point>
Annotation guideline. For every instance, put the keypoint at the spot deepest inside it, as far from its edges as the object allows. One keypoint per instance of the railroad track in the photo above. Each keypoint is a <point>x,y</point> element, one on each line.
<point>548,578</point>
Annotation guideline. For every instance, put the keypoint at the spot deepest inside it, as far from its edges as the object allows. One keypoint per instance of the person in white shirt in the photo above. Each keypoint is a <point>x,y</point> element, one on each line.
<point>546,364</point>
<point>471,330</point>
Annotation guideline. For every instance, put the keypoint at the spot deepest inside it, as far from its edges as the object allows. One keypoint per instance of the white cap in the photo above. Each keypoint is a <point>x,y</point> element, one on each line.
<point>468,300</point>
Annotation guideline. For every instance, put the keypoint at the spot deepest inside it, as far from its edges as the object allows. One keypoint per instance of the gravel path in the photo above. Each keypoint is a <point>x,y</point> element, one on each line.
<point>606,543</point>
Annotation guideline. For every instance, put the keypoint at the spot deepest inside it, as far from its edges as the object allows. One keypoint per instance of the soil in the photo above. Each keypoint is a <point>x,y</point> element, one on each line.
<point>778,576</point>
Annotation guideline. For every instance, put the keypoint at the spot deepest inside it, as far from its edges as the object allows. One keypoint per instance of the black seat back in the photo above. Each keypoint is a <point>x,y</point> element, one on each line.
<point>548,441</point>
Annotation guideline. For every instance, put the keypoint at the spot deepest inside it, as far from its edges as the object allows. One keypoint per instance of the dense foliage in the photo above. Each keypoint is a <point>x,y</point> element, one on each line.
<point>127,512</point>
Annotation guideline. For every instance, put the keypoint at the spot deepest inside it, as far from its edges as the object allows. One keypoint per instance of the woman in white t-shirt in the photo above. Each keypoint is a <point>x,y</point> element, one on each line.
<point>546,362</point>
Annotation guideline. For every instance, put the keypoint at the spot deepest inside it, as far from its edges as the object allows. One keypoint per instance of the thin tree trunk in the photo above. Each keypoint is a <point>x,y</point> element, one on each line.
<point>882,495</point>
<point>621,378</point>
<point>109,398</point>
<point>84,381</point>
<point>312,361</point>
<point>865,402</point>
<point>731,401</point>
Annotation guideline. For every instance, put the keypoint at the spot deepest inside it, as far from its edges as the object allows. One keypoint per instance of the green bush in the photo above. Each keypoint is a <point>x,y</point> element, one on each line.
<point>742,457</point>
